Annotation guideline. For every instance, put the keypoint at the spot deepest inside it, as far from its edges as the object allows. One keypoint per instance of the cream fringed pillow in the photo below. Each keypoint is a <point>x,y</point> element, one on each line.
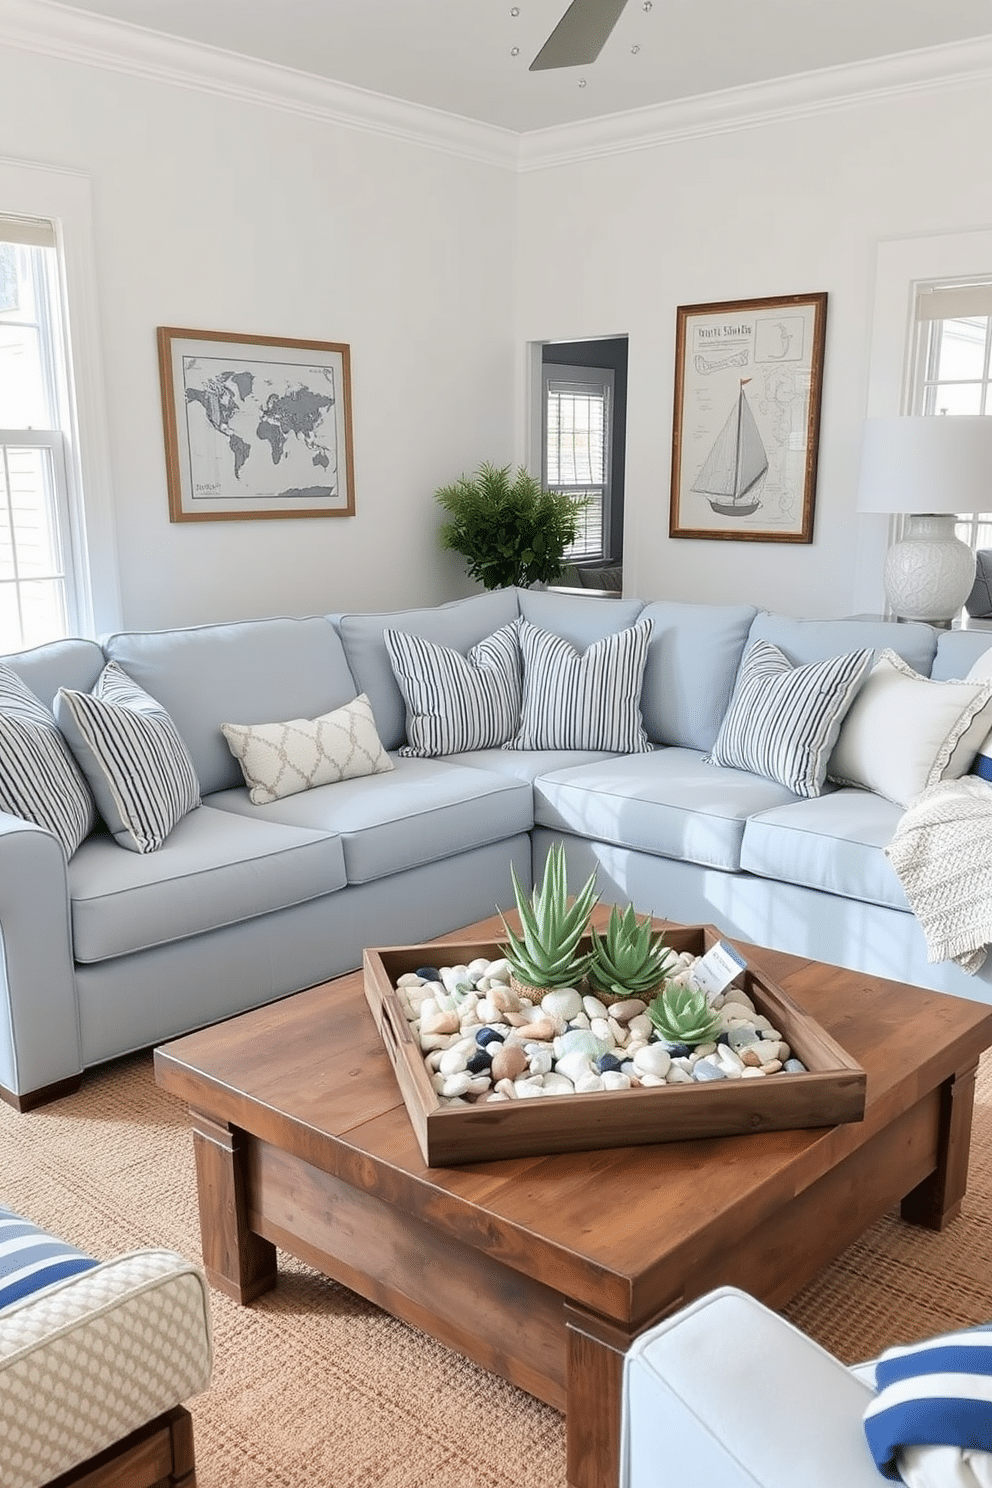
<point>282,759</point>
<point>904,732</point>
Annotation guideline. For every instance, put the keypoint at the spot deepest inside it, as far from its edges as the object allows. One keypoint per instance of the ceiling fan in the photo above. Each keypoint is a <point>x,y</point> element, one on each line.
<point>580,35</point>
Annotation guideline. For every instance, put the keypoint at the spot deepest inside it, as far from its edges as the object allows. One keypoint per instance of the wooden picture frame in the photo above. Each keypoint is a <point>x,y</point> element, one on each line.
<point>255,426</point>
<point>748,385</point>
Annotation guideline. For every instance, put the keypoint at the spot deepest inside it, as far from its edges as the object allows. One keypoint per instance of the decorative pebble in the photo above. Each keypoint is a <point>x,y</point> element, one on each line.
<point>485,1040</point>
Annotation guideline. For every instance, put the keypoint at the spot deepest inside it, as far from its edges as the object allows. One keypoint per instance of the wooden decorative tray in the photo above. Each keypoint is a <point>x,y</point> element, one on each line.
<point>831,1091</point>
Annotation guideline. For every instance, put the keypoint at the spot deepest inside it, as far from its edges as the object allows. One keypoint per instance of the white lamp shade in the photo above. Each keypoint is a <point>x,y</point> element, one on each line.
<point>927,465</point>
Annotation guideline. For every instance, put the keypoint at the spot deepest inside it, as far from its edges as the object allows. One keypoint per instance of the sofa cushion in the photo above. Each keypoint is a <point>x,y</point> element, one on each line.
<point>461,625</point>
<point>587,699</point>
<point>671,803</point>
<point>692,661</point>
<point>803,641</point>
<point>835,843</point>
<point>904,732</point>
<point>580,618</point>
<point>957,652</point>
<point>39,779</point>
<point>31,1259</point>
<point>527,764</point>
<point>253,671</point>
<point>455,702</point>
<point>783,720</point>
<point>280,759</point>
<point>215,869</point>
<point>423,811</point>
<point>72,663</point>
<point>138,767</point>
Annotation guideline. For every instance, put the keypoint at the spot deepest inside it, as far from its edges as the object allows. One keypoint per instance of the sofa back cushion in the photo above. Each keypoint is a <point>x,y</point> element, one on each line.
<point>803,641</point>
<point>580,618</point>
<point>692,663</point>
<point>461,625</point>
<point>72,663</point>
<point>252,672</point>
<point>957,653</point>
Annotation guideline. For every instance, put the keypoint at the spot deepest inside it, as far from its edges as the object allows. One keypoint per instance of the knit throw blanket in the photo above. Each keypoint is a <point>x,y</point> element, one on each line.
<point>942,854</point>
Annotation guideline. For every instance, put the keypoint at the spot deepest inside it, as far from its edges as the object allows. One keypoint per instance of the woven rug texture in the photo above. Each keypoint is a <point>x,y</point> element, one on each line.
<point>315,1388</point>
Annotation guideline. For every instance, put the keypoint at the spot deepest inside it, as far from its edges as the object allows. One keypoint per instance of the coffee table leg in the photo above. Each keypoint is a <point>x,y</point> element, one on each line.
<point>236,1261</point>
<point>937,1200</point>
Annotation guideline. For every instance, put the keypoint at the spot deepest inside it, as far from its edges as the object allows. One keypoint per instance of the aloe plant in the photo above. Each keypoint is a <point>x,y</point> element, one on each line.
<point>630,959</point>
<point>683,1015</point>
<point>546,952</point>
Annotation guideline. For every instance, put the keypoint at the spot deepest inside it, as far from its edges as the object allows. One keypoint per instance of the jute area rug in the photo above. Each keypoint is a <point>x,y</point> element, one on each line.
<point>315,1388</point>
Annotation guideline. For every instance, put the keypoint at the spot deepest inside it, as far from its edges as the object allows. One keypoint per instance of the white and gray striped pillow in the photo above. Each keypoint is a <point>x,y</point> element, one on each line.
<point>131,753</point>
<point>783,720</point>
<point>583,699</point>
<point>456,702</point>
<point>39,779</point>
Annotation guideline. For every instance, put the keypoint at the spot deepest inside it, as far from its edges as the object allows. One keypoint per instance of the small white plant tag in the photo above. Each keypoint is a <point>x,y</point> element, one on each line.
<point>716,970</point>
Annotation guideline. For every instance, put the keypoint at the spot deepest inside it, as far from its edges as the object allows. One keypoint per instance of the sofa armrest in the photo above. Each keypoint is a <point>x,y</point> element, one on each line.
<point>89,1360</point>
<point>39,1017</point>
<point>729,1394</point>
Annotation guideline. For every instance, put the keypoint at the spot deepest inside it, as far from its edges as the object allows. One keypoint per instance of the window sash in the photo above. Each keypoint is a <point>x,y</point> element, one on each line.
<point>576,453</point>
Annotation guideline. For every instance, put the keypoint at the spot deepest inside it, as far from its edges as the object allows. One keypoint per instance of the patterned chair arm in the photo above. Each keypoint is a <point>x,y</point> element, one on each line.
<point>94,1357</point>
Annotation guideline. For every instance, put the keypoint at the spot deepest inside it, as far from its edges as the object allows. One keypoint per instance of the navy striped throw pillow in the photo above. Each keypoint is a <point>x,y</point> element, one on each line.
<point>583,699</point>
<point>937,1393</point>
<point>131,753</point>
<point>31,1260</point>
<point>783,720</point>
<point>456,702</point>
<point>39,779</point>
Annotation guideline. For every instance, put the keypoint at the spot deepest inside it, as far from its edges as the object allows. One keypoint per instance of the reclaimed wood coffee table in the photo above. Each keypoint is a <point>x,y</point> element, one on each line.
<point>543,1269</point>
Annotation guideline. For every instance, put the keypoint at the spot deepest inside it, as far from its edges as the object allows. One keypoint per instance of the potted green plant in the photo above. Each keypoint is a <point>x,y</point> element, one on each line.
<point>546,954</point>
<point>630,960</point>
<point>511,532</point>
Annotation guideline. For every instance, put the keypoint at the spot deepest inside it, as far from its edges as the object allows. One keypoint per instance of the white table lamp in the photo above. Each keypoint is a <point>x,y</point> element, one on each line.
<point>930,469</point>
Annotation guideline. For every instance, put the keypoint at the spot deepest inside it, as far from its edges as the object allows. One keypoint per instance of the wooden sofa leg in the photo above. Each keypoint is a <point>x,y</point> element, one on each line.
<point>157,1455</point>
<point>31,1099</point>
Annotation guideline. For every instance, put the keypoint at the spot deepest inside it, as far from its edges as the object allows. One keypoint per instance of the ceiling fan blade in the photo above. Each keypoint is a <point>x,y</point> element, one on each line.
<point>580,35</point>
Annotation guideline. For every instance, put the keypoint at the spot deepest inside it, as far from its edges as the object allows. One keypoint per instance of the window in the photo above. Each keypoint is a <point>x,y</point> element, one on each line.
<point>953,374</point>
<point>37,596</point>
<point>577,455</point>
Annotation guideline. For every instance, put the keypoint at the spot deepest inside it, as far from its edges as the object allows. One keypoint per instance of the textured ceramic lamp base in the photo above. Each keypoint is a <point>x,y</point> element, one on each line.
<point>928,576</point>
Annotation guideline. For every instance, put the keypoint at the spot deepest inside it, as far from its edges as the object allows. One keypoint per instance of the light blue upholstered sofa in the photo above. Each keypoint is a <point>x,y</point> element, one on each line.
<point>115,950</point>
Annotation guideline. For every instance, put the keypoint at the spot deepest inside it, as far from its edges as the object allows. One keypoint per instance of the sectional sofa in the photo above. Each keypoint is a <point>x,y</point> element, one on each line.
<point>110,950</point>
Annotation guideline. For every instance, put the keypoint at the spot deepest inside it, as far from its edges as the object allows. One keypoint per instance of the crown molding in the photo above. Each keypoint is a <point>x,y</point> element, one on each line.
<point>54,30</point>
<point>802,95</point>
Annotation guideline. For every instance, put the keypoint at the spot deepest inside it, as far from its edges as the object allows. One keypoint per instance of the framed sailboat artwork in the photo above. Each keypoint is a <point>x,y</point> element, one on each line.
<point>748,379</point>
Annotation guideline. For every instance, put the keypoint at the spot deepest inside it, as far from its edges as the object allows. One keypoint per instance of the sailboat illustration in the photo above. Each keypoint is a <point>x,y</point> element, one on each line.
<point>731,472</point>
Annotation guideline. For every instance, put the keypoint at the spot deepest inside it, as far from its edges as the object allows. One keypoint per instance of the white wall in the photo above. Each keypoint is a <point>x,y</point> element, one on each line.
<point>220,214</point>
<point>795,205</point>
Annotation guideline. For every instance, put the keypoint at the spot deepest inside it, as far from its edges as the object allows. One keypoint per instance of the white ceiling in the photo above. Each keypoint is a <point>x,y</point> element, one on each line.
<point>456,55</point>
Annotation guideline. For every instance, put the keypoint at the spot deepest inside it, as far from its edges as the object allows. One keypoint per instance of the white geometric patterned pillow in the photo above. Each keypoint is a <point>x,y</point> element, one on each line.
<point>583,699</point>
<point>39,779</point>
<point>783,720</point>
<point>131,753</point>
<point>454,702</point>
<point>282,759</point>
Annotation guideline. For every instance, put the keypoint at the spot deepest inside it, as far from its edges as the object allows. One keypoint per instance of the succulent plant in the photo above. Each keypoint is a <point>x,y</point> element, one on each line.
<point>546,953</point>
<point>630,959</point>
<point>682,1015</point>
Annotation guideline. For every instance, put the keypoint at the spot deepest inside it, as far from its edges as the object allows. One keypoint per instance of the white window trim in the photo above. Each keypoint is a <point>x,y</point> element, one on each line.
<point>901,266</point>
<point>64,197</point>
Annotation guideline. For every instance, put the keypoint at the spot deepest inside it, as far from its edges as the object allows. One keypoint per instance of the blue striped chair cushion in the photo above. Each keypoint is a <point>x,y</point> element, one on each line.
<point>582,699</point>
<point>455,702</point>
<point>31,1260</point>
<point>131,753</point>
<point>39,779</point>
<point>783,721</point>
<point>937,1393</point>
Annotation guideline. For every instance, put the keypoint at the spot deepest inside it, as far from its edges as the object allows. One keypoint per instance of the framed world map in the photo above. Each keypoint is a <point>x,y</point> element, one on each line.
<point>255,426</point>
